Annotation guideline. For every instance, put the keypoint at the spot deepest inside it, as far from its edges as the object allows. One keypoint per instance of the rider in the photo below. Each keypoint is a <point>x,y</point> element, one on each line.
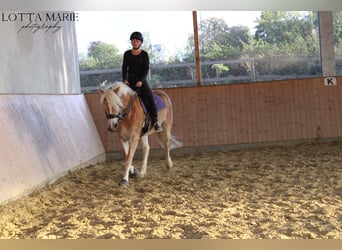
<point>135,68</point>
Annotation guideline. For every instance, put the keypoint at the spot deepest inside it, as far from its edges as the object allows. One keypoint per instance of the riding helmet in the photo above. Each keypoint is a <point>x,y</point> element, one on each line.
<point>137,35</point>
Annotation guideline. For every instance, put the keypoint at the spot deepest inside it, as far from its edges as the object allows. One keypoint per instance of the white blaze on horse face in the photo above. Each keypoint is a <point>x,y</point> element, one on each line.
<point>113,123</point>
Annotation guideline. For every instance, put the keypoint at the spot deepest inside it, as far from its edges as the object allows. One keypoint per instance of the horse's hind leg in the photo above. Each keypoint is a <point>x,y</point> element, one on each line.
<point>145,150</point>
<point>164,138</point>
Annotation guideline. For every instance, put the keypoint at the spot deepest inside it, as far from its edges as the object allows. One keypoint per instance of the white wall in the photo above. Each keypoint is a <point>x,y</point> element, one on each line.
<point>46,127</point>
<point>40,62</point>
<point>43,137</point>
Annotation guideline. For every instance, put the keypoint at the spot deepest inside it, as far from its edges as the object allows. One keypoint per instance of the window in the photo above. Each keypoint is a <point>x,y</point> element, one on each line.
<point>234,46</point>
<point>258,46</point>
<point>103,37</point>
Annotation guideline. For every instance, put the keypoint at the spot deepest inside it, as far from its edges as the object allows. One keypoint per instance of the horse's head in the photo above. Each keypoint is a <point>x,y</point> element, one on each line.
<point>114,103</point>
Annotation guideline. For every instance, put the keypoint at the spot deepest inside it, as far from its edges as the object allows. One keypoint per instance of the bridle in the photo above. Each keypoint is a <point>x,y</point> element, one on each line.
<point>112,116</point>
<point>121,116</point>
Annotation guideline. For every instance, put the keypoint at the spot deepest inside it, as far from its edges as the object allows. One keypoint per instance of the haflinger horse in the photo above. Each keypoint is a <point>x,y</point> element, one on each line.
<point>128,117</point>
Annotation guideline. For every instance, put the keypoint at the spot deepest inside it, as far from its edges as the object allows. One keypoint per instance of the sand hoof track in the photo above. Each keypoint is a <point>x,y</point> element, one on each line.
<point>271,193</point>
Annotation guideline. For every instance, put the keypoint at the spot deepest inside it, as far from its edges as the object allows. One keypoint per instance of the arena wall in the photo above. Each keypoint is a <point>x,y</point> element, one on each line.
<point>46,127</point>
<point>42,138</point>
<point>246,113</point>
<point>35,59</point>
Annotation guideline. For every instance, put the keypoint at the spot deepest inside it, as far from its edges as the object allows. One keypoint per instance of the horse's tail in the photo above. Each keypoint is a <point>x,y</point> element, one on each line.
<point>174,143</point>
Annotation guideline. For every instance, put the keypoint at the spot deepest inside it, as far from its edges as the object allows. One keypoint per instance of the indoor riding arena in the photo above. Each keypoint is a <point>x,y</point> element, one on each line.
<point>258,160</point>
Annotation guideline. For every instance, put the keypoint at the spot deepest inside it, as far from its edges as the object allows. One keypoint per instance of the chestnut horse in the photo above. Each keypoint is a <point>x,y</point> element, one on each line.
<point>127,117</point>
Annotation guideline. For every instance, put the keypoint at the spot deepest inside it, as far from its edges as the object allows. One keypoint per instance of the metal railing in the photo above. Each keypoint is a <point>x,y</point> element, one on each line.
<point>238,71</point>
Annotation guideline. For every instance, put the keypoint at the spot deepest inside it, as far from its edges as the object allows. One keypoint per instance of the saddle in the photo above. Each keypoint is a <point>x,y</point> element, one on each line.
<point>160,105</point>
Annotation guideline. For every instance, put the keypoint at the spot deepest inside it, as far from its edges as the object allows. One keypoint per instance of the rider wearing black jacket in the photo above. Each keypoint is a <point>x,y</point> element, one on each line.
<point>135,68</point>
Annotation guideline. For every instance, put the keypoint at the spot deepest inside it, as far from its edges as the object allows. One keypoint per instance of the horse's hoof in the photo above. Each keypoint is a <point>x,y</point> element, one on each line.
<point>123,183</point>
<point>134,174</point>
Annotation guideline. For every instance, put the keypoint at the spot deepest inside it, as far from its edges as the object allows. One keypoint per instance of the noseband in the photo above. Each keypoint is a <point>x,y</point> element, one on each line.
<point>112,116</point>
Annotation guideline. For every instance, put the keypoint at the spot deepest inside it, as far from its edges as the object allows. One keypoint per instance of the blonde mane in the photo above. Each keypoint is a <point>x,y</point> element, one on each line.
<point>114,92</point>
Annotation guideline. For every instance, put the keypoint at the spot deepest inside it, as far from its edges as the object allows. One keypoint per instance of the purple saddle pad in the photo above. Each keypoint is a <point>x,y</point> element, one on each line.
<point>158,101</point>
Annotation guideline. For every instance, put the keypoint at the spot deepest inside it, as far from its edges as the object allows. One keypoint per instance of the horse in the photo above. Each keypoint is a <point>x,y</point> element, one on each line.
<point>127,116</point>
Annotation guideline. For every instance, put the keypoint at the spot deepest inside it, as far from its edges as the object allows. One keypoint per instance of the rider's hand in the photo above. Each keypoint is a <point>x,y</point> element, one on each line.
<point>138,84</point>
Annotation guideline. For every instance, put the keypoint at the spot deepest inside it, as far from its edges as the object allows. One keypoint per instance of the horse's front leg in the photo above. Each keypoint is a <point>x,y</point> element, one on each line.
<point>133,144</point>
<point>145,150</point>
<point>124,148</point>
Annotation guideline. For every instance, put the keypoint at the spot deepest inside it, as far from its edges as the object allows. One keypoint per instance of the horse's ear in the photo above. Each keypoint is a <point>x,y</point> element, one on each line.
<point>116,90</point>
<point>101,91</point>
